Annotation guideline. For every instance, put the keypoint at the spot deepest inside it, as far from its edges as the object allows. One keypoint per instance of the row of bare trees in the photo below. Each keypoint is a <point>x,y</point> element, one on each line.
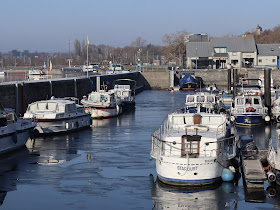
<point>173,50</point>
<point>139,49</point>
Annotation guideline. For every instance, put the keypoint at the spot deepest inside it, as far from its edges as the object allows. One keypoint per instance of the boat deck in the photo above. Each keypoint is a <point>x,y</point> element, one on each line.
<point>254,175</point>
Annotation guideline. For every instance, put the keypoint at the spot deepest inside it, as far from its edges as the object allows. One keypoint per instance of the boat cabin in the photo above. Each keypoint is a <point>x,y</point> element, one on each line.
<point>53,106</point>
<point>123,92</point>
<point>195,99</point>
<point>248,104</point>
<point>101,97</point>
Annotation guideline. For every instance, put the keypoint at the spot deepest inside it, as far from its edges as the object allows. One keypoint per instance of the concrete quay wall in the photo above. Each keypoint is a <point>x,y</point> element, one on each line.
<point>18,95</point>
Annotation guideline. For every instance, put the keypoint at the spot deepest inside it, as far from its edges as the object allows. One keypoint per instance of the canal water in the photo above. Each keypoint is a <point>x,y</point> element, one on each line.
<point>108,166</point>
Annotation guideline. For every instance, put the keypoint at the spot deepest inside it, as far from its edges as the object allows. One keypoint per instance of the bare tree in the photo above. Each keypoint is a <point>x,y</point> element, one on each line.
<point>139,42</point>
<point>175,45</point>
<point>77,48</point>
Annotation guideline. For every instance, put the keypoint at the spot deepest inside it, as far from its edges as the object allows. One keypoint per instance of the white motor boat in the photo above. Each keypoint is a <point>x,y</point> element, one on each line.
<point>57,115</point>
<point>124,93</point>
<point>14,132</point>
<point>36,72</point>
<point>101,104</point>
<point>205,102</point>
<point>193,148</point>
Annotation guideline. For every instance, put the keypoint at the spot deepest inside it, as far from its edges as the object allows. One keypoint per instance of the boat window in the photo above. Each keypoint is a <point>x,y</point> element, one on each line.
<point>200,98</point>
<point>3,121</point>
<point>240,101</point>
<point>103,98</point>
<point>248,101</point>
<point>41,106</point>
<point>10,118</point>
<point>210,99</point>
<point>192,147</point>
<point>91,98</point>
<point>72,107</point>
<point>61,107</point>
<point>256,101</point>
<point>33,107</point>
<point>52,106</point>
<point>190,99</point>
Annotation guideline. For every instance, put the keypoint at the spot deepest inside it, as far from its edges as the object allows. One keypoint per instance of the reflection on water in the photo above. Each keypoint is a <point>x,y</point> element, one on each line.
<point>261,134</point>
<point>219,196</point>
<point>107,166</point>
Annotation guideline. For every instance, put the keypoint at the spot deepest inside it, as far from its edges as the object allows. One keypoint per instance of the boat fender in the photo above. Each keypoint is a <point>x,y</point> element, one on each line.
<point>267,118</point>
<point>250,109</point>
<point>278,118</point>
<point>227,175</point>
<point>14,137</point>
<point>77,124</point>
<point>271,192</point>
<point>271,177</point>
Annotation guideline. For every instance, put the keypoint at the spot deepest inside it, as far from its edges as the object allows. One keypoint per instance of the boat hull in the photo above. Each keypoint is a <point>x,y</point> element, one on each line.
<point>188,86</point>
<point>188,172</point>
<point>49,126</point>
<point>249,120</point>
<point>15,140</point>
<point>103,112</point>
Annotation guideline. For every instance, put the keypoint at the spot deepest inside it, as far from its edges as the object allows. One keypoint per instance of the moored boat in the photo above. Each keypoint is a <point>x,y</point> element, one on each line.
<point>249,110</point>
<point>57,115</point>
<point>193,148</point>
<point>14,132</point>
<point>101,104</point>
<point>124,90</point>
<point>188,82</point>
<point>205,102</point>
<point>36,72</point>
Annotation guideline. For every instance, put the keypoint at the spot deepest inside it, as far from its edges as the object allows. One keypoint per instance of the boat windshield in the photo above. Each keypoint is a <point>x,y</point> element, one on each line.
<point>190,99</point>
<point>200,98</point>
<point>240,101</point>
<point>210,99</point>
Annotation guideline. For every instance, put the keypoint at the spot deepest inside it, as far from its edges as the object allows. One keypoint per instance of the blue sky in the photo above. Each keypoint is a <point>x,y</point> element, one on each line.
<point>38,25</point>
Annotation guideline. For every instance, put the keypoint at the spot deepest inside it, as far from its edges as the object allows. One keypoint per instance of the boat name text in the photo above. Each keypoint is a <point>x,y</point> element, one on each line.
<point>185,168</point>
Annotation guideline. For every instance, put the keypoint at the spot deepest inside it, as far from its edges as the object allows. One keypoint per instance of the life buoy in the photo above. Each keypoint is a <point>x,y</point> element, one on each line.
<point>257,94</point>
<point>250,109</point>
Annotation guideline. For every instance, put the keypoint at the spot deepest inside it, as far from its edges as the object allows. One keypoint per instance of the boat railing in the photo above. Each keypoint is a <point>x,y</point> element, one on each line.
<point>225,149</point>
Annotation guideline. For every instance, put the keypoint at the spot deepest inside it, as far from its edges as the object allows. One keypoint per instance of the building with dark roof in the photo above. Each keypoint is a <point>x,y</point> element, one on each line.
<point>219,52</point>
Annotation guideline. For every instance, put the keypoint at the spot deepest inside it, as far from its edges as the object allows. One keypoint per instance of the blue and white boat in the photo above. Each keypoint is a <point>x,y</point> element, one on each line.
<point>188,82</point>
<point>249,110</point>
<point>192,149</point>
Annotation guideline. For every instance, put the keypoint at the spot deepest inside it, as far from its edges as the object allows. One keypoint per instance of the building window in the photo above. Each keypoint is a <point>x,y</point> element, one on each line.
<point>220,49</point>
<point>273,60</point>
<point>234,53</point>
<point>260,60</point>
